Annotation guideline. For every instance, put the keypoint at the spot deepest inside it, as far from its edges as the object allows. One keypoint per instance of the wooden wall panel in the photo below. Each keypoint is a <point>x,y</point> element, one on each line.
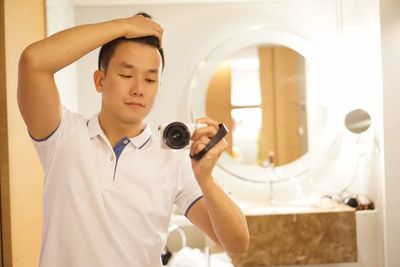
<point>24,24</point>
<point>4,192</point>
<point>283,93</point>
<point>288,84</point>
<point>267,85</point>
<point>218,99</point>
<point>286,97</point>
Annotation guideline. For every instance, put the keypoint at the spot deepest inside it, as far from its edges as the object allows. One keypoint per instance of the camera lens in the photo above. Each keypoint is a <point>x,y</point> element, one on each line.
<point>176,135</point>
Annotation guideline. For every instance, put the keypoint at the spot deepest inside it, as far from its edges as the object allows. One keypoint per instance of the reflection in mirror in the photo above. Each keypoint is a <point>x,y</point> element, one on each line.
<point>358,121</point>
<point>259,92</point>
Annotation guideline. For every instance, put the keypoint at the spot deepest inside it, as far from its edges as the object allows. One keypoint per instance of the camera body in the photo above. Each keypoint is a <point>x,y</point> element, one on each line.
<point>176,135</point>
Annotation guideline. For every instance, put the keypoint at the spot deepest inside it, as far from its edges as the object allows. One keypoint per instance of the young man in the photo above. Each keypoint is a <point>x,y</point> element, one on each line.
<point>109,188</point>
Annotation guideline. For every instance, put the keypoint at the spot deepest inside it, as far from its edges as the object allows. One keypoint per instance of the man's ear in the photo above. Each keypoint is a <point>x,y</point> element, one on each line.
<point>98,77</point>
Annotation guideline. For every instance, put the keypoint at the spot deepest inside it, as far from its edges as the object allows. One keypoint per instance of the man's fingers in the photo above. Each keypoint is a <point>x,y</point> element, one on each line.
<point>209,131</point>
<point>199,145</point>
<point>203,141</point>
<point>209,122</point>
<point>141,26</point>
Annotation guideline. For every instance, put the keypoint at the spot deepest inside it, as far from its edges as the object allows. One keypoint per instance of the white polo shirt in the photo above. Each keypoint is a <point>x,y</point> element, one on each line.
<point>104,210</point>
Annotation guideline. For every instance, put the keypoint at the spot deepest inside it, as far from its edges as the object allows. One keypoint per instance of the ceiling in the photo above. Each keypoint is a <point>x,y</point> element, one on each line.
<point>155,2</point>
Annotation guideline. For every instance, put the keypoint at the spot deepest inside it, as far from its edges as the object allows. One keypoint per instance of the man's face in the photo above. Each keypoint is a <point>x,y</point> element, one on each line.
<point>131,83</point>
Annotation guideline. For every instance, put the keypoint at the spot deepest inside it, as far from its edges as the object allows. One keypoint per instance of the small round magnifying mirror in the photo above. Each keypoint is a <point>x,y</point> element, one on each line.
<point>358,121</point>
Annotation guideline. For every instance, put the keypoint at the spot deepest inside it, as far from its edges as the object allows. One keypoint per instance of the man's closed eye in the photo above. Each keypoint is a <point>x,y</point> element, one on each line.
<point>125,76</point>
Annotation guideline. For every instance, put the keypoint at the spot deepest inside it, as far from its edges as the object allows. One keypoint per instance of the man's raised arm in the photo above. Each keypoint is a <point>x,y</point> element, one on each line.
<point>38,97</point>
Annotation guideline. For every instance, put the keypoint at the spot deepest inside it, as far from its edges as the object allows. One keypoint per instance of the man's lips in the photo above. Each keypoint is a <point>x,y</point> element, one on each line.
<point>135,104</point>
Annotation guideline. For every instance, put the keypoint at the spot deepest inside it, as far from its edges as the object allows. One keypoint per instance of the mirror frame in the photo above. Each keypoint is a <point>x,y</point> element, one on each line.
<point>257,35</point>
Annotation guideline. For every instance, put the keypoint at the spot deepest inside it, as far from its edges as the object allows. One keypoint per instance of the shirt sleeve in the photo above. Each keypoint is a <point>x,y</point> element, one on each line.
<point>46,147</point>
<point>188,190</point>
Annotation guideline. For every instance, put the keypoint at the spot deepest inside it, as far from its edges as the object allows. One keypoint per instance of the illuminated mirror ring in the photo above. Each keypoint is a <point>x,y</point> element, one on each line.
<point>198,85</point>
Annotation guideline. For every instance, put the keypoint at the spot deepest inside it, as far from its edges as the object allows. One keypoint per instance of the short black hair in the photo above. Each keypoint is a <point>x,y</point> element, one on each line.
<point>108,49</point>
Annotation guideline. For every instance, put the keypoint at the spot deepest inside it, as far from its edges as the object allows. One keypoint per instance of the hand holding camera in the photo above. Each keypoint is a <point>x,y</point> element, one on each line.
<point>206,133</point>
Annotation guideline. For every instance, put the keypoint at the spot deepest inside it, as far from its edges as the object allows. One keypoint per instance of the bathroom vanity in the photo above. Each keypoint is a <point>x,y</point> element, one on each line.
<point>290,236</point>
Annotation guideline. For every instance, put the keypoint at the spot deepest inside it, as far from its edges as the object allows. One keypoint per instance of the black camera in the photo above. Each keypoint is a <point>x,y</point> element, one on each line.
<point>176,135</point>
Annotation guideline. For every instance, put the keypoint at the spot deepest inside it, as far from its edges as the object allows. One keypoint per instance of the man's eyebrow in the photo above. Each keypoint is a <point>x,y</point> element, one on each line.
<point>153,70</point>
<point>126,65</point>
<point>130,66</point>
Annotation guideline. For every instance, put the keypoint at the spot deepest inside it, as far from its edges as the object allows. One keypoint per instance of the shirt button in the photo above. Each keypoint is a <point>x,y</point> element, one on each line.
<point>111,158</point>
<point>126,141</point>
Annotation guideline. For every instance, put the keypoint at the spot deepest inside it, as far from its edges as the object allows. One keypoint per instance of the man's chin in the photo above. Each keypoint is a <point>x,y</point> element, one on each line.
<point>133,120</point>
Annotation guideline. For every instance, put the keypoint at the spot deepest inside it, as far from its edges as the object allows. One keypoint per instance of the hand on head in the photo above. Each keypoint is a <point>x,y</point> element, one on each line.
<point>141,25</point>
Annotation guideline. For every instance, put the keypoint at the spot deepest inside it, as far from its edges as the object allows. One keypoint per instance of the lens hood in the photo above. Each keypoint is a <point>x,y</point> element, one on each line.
<point>176,135</point>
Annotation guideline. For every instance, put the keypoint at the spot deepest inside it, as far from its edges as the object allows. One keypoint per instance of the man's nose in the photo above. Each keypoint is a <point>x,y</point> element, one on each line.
<point>136,89</point>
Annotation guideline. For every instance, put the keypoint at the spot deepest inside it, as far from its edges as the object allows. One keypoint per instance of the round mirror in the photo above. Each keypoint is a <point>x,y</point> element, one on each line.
<point>259,92</point>
<point>357,121</point>
<point>266,86</point>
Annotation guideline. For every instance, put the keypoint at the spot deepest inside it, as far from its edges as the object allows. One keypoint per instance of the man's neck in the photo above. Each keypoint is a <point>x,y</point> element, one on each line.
<point>115,130</point>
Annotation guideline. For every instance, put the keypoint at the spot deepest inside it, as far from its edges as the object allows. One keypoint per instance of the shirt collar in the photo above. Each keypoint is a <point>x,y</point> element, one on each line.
<point>94,126</point>
<point>138,141</point>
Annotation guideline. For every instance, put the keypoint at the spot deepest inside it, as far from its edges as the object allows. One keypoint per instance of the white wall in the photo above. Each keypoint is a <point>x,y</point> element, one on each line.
<point>60,15</point>
<point>390,25</point>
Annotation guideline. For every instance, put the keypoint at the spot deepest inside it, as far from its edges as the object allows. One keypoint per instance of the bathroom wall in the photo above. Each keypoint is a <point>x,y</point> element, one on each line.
<point>59,16</point>
<point>390,24</point>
